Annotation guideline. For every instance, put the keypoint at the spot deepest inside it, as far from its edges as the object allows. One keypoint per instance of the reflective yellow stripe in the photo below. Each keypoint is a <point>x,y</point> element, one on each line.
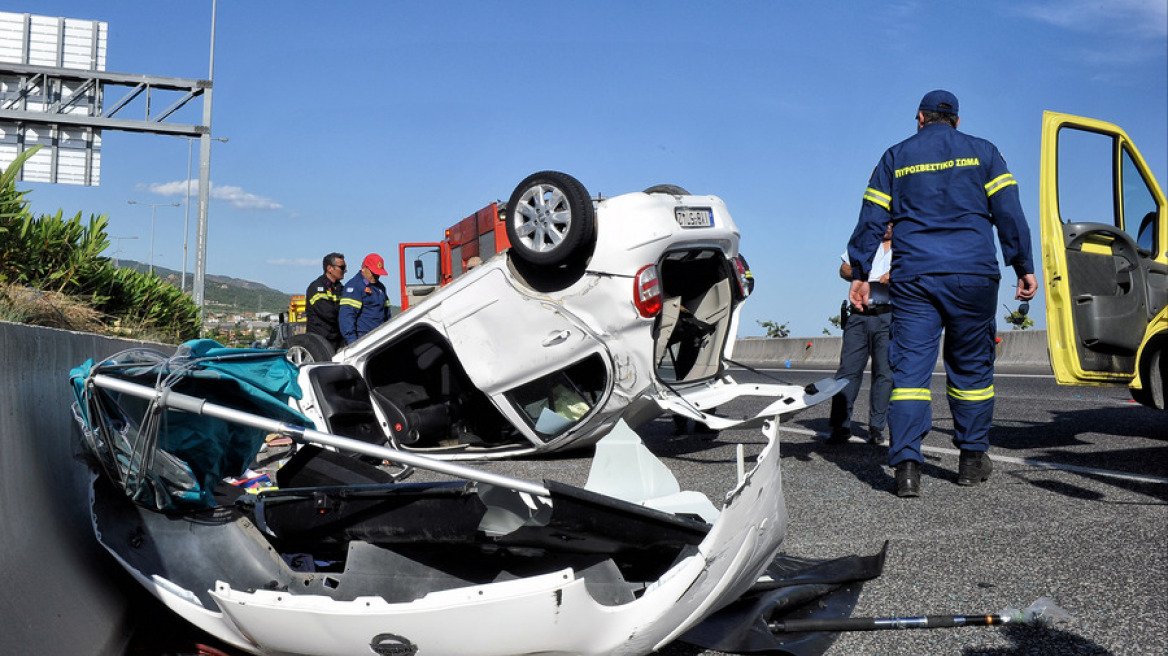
<point>323,296</point>
<point>912,394</point>
<point>351,302</point>
<point>999,183</point>
<point>880,198</point>
<point>983,394</point>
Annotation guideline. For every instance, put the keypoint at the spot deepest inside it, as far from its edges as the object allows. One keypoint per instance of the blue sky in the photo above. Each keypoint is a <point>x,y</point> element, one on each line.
<point>355,126</point>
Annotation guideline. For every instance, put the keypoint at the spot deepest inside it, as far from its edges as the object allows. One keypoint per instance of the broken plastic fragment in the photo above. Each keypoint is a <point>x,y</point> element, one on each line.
<point>1043,612</point>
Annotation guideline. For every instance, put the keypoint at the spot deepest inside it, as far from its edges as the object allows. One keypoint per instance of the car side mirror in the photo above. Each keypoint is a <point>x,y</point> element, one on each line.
<point>419,270</point>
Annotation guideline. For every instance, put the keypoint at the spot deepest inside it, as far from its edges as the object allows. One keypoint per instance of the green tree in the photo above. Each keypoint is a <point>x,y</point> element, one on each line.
<point>1018,319</point>
<point>775,329</point>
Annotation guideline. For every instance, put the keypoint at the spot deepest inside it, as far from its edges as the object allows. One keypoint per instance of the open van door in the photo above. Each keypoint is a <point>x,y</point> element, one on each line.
<point>1104,242</point>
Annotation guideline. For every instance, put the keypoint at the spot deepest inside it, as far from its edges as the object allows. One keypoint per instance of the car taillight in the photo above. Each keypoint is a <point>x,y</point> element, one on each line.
<point>647,291</point>
<point>743,276</point>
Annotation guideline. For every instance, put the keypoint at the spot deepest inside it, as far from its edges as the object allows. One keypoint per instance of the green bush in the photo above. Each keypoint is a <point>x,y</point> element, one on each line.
<point>53,254</point>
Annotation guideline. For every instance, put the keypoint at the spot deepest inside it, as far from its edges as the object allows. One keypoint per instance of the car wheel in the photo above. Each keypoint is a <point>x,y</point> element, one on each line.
<point>1154,373</point>
<point>550,219</point>
<point>309,347</point>
<point>673,190</point>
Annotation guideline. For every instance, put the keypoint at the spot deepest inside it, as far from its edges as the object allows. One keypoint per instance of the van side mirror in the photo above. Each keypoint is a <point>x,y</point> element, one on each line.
<point>419,270</point>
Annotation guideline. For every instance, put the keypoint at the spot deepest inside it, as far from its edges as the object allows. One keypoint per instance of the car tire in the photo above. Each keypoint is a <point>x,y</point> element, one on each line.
<point>550,220</point>
<point>1154,373</point>
<point>672,190</point>
<point>309,347</point>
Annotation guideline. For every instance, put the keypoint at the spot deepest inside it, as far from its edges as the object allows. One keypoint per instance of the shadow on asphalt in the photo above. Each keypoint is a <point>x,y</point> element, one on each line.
<point>1053,442</point>
<point>1157,491</point>
<point>1064,427</point>
<point>1032,640</point>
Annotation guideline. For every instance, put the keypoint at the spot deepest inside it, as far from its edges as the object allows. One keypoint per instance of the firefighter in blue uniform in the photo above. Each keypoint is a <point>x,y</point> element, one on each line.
<point>364,301</point>
<point>945,192</point>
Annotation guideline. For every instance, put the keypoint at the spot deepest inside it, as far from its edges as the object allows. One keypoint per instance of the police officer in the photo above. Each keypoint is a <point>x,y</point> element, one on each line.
<point>321,300</point>
<point>865,337</point>
<point>945,192</point>
<point>364,301</point>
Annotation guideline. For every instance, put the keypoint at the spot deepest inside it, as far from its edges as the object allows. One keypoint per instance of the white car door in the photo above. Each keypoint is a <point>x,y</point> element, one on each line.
<point>506,338</point>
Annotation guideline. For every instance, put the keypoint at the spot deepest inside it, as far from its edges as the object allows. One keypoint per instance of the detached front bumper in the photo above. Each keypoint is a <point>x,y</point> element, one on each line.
<point>697,402</point>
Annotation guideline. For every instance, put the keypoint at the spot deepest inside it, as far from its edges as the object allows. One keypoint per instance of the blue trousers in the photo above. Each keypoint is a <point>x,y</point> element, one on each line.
<point>864,336</point>
<point>963,305</point>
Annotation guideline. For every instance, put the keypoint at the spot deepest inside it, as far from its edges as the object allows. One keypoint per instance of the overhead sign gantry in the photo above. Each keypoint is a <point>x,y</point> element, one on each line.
<point>56,93</point>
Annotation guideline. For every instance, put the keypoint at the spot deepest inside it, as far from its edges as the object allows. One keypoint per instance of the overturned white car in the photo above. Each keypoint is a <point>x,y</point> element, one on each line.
<point>340,559</point>
<point>607,309</point>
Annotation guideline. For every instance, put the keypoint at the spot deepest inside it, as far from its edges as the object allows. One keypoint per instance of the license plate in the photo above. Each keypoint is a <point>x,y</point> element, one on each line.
<point>694,217</point>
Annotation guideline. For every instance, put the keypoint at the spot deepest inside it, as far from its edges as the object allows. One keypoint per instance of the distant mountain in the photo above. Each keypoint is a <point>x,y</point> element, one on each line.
<point>224,293</point>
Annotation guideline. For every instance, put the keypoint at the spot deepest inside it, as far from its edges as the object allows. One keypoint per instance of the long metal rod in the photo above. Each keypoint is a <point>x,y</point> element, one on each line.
<point>195,405</point>
<point>887,623</point>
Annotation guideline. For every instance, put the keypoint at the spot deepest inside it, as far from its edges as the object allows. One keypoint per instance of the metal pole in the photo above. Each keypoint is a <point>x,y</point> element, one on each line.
<point>198,406</point>
<point>187,221</point>
<point>153,208</point>
<point>118,247</point>
<point>204,180</point>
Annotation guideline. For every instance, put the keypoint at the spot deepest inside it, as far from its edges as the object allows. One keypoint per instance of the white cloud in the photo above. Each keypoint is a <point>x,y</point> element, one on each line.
<point>1133,18</point>
<point>242,199</point>
<point>235,195</point>
<point>178,188</point>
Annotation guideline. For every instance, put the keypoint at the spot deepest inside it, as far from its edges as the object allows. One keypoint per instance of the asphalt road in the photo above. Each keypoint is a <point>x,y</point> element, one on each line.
<point>1076,511</point>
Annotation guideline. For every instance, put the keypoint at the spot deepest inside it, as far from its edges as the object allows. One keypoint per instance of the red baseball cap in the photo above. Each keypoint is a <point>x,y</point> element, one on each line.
<point>375,264</point>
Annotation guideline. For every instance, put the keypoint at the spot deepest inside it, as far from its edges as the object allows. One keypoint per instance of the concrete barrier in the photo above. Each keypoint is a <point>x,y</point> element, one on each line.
<point>62,594</point>
<point>1015,347</point>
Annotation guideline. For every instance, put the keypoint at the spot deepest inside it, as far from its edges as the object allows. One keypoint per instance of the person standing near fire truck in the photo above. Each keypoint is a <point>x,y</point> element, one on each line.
<point>321,301</point>
<point>364,300</point>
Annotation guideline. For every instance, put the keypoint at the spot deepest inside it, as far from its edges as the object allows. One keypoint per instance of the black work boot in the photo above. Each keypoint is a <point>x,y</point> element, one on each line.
<point>973,467</point>
<point>908,479</point>
<point>839,436</point>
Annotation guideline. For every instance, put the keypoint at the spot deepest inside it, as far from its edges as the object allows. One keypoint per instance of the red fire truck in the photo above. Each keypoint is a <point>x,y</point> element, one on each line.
<point>424,267</point>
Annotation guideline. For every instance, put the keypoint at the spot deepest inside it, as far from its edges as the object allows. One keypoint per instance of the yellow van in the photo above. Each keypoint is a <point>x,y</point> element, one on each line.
<point>1105,259</point>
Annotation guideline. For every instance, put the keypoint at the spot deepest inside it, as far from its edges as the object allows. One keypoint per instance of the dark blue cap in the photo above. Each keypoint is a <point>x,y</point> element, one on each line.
<point>940,101</point>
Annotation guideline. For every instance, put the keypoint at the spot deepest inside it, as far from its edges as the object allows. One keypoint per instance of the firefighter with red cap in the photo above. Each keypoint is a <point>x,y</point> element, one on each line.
<point>364,301</point>
<point>946,193</point>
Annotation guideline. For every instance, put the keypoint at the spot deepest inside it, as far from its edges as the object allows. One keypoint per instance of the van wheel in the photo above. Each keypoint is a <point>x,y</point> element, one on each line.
<point>550,219</point>
<point>309,347</point>
<point>1154,374</point>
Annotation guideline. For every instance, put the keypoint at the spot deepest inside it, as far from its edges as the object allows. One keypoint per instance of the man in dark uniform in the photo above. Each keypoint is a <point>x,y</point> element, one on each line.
<point>865,337</point>
<point>364,301</point>
<point>321,300</point>
<point>945,192</point>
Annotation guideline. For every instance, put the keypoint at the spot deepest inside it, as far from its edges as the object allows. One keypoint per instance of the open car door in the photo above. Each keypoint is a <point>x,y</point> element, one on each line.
<point>1104,239</point>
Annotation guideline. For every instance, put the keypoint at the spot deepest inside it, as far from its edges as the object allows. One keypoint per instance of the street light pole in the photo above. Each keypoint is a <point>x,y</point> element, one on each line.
<point>204,181</point>
<point>118,247</point>
<point>187,222</point>
<point>153,208</point>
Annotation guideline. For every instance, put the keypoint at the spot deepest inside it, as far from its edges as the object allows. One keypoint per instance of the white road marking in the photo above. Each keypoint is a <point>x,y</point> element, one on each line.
<point>1042,464</point>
